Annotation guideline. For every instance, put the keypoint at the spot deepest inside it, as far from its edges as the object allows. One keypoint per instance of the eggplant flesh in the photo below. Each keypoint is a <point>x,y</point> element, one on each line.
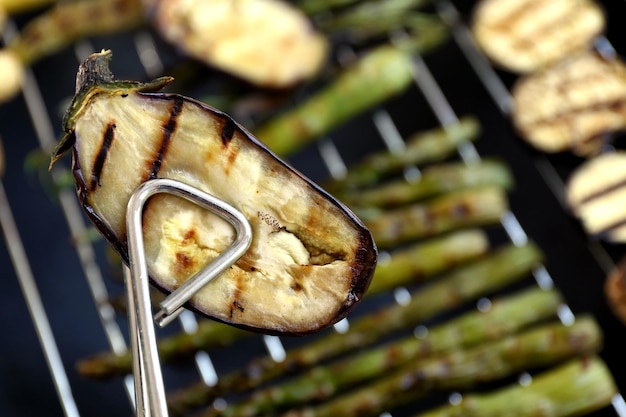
<point>311,259</point>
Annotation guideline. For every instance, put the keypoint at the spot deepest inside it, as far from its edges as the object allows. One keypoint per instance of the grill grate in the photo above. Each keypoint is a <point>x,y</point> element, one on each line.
<point>390,137</point>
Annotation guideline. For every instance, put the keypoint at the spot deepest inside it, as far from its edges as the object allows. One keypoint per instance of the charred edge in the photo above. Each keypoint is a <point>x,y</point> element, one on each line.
<point>101,157</point>
<point>228,130</point>
<point>362,271</point>
<point>168,130</point>
<point>366,257</point>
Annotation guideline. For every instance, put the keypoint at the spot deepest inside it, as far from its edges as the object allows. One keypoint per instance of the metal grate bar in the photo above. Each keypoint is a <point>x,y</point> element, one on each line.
<point>36,307</point>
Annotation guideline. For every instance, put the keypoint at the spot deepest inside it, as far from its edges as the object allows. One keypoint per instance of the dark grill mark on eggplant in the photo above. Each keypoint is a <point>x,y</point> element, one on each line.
<point>228,130</point>
<point>238,306</point>
<point>168,130</point>
<point>101,157</point>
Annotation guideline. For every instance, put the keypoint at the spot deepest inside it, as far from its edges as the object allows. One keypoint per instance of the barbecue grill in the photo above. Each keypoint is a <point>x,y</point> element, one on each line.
<point>55,299</point>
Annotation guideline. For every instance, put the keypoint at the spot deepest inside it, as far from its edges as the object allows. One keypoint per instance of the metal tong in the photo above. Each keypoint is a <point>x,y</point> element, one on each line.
<point>147,376</point>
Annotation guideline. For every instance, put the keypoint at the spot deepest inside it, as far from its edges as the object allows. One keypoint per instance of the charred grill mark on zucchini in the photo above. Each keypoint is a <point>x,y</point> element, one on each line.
<point>98,165</point>
<point>547,30</point>
<point>522,11</point>
<point>609,188</point>
<point>168,130</point>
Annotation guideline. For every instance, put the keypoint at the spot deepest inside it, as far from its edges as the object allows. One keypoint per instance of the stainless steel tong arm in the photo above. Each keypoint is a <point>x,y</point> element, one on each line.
<point>148,379</point>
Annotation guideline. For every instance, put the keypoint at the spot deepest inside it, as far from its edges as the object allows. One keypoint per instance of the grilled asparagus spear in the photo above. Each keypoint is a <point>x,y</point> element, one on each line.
<point>310,260</point>
<point>434,180</point>
<point>465,208</point>
<point>506,265</point>
<point>375,77</point>
<point>505,317</point>
<point>576,388</point>
<point>372,20</point>
<point>425,259</point>
<point>422,147</point>
<point>209,335</point>
<point>537,347</point>
<point>313,7</point>
<point>379,16</point>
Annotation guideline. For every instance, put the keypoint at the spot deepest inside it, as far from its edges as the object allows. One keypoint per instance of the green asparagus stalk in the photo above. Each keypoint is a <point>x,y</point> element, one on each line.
<point>210,334</point>
<point>422,147</point>
<point>467,208</point>
<point>504,266</point>
<point>315,7</point>
<point>369,13</point>
<point>421,261</point>
<point>435,180</point>
<point>375,77</point>
<point>506,316</point>
<point>537,347</point>
<point>575,388</point>
<point>373,20</point>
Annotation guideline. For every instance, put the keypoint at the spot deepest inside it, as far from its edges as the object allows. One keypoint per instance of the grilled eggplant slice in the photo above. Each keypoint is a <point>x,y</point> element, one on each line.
<point>573,105</point>
<point>266,42</point>
<point>523,36</point>
<point>311,259</point>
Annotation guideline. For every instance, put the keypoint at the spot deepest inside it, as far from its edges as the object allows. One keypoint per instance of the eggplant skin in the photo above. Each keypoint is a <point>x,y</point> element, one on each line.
<point>311,259</point>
